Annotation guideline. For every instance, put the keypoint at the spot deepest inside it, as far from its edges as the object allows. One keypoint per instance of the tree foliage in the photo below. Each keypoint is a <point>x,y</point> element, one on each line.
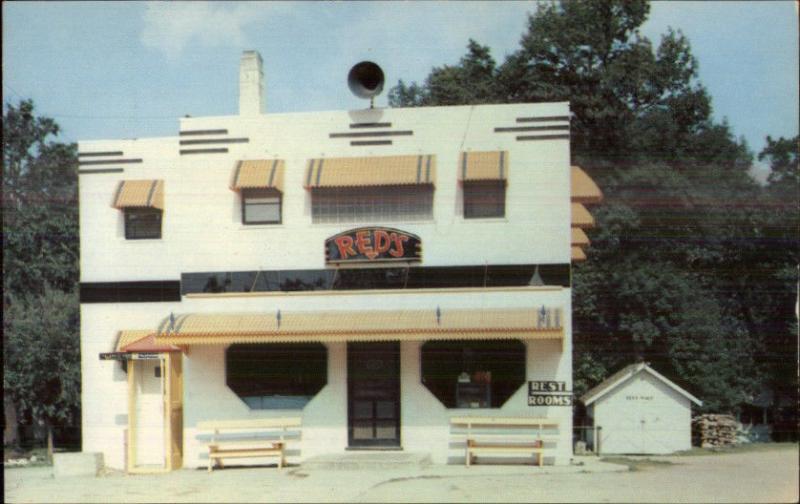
<point>41,340</point>
<point>693,265</point>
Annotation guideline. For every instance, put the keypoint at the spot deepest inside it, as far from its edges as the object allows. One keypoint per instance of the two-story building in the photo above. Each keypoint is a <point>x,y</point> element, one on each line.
<point>375,272</point>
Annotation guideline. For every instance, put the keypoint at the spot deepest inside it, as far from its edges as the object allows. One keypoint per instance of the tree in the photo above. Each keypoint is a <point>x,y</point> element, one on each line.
<point>784,158</point>
<point>688,266</point>
<point>40,269</point>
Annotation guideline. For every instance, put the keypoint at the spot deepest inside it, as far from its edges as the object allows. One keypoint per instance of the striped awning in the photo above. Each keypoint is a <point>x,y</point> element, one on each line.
<point>371,171</point>
<point>141,341</point>
<point>581,217</point>
<point>403,325</point>
<point>140,194</point>
<point>579,238</point>
<point>258,174</point>
<point>478,166</point>
<point>578,254</point>
<point>584,189</point>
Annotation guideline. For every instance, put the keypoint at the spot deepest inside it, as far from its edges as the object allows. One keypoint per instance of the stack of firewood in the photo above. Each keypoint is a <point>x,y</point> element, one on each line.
<point>713,430</point>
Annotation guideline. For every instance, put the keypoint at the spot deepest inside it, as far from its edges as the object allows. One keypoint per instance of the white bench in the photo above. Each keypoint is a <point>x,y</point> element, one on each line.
<point>247,438</point>
<point>493,435</point>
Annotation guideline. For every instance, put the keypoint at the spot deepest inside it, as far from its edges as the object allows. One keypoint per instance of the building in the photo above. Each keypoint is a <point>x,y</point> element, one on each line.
<point>375,271</point>
<point>639,411</point>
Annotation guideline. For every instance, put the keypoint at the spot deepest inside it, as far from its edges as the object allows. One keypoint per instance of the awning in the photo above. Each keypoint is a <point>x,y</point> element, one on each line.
<point>581,218</point>
<point>579,238</point>
<point>403,325</point>
<point>141,341</point>
<point>584,190</point>
<point>370,171</point>
<point>258,174</point>
<point>140,194</point>
<point>480,166</point>
<point>578,254</point>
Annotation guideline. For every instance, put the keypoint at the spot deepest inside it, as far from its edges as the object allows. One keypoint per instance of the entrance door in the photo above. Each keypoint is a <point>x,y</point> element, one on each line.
<point>149,415</point>
<point>373,394</point>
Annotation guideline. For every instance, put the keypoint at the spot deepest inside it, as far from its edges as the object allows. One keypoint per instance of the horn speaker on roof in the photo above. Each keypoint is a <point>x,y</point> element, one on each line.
<point>365,80</point>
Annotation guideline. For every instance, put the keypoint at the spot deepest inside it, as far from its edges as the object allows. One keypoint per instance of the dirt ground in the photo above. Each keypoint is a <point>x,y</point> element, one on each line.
<point>757,476</point>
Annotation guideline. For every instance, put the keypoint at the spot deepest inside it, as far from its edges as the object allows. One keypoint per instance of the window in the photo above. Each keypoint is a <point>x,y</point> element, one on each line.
<point>261,206</point>
<point>473,374</point>
<point>142,223</point>
<point>374,203</point>
<point>276,376</point>
<point>484,199</point>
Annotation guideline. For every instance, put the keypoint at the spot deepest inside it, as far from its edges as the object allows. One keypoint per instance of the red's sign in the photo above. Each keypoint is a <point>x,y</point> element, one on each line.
<point>373,244</point>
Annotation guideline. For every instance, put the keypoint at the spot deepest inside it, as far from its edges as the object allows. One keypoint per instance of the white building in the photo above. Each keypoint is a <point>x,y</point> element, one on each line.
<point>346,267</point>
<point>639,411</point>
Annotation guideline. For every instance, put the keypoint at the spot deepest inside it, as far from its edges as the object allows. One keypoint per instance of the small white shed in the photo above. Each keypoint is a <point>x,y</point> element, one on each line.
<point>639,411</point>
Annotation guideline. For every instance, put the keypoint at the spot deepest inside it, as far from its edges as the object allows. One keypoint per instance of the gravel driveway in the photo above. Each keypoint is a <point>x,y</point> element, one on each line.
<point>759,476</point>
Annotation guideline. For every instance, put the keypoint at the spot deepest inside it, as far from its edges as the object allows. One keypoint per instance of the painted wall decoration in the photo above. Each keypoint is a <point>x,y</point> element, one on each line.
<point>373,244</point>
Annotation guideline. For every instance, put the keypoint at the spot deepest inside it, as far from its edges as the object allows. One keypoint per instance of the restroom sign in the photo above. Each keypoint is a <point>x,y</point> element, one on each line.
<point>548,393</point>
<point>373,244</point>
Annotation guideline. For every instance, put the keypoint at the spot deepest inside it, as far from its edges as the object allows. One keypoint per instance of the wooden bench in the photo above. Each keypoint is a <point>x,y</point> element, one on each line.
<point>528,439</point>
<point>247,438</point>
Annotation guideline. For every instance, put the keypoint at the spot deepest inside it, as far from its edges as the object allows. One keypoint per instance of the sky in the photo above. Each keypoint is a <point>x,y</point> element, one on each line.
<point>131,69</point>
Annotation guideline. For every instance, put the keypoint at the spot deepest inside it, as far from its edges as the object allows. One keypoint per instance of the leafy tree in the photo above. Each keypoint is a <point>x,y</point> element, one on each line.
<point>690,266</point>
<point>40,269</point>
<point>784,157</point>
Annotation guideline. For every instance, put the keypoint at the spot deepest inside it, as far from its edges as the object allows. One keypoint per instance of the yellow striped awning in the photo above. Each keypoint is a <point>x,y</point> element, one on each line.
<point>581,217</point>
<point>584,189</point>
<point>579,238</point>
<point>578,254</point>
<point>258,174</point>
<point>140,194</point>
<point>477,166</point>
<point>370,171</point>
<point>403,325</point>
<point>125,338</point>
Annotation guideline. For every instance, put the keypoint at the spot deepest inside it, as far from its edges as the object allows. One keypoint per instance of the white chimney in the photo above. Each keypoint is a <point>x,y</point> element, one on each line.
<point>251,84</point>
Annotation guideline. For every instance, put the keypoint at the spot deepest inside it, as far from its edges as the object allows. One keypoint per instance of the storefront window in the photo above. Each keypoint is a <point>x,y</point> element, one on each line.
<point>473,374</point>
<point>276,376</point>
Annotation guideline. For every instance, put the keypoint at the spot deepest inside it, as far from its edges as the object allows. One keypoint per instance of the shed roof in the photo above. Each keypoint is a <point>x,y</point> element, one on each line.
<point>629,371</point>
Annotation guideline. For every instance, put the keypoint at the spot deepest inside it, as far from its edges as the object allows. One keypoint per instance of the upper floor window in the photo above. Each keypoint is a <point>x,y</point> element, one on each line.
<point>484,199</point>
<point>261,206</point>
<point>372,203</point>
<point>142,223</point>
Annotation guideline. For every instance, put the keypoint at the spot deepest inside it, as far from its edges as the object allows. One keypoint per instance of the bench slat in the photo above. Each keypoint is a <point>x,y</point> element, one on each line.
<point>245,453</point>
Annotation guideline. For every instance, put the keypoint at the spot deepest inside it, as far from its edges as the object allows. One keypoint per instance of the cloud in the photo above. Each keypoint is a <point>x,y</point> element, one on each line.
<point>170,27</point>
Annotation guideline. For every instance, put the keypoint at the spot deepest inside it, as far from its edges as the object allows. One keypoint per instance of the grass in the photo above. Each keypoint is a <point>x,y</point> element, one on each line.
<point>39,453</point>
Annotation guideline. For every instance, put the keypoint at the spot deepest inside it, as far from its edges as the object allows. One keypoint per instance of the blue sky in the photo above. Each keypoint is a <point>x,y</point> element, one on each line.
<point>130,69</point>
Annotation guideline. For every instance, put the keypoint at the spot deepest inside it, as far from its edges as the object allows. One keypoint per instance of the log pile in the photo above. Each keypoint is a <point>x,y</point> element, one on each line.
<point>709,431</point>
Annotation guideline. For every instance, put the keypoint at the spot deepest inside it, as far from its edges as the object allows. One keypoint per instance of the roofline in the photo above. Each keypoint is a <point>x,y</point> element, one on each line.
<point>589,398</point>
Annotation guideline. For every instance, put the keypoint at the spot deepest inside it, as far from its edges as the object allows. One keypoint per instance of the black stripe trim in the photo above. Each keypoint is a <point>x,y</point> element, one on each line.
<point>162,326</point>
<point>130,292</point>
<point>532,128</point>
<point>419,168</point>
<point>236,173</point>
<point>542,118</point>
<point>502,165</point>
<point>463,166</point>
<point>99,154</point>
<point>362,134</point>
<point>117,193</point>
<point>371,142</point>
<point>179,325</point>
<point>204,132</point>
<point>100,170</point>
<point>109,161</point>
<point>214,141</point>
<point>204,151</point>
<point>371,125</point>
<point>543,137</point>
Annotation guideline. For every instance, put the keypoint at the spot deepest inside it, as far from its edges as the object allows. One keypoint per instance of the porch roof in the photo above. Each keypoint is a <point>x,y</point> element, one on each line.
<point>325,326</point>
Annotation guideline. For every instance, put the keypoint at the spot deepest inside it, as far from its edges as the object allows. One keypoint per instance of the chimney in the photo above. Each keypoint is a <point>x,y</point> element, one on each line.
<point>251,84</point>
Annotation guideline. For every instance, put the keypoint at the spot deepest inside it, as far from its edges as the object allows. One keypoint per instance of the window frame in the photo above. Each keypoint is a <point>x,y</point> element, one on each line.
<point>261,193</point>
<point>129,213</point>
<point>382,203</point>
<point>471,188</point>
